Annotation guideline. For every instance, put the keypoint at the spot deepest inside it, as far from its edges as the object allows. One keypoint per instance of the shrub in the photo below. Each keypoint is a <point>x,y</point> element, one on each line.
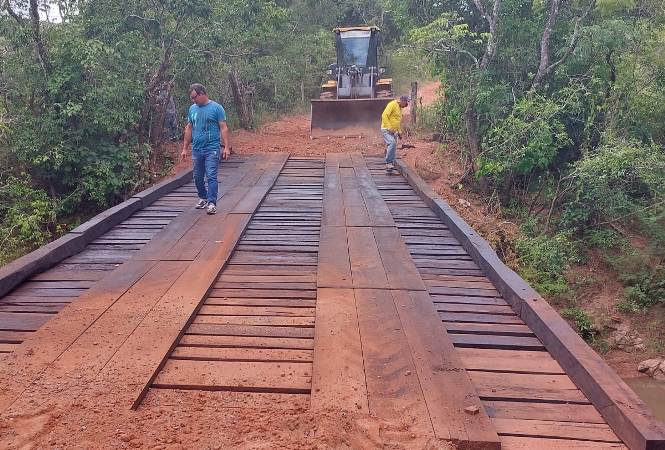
<point>543,260</point>
<point>582,322</point>
<point>27,217</point>
<point>614,183</point>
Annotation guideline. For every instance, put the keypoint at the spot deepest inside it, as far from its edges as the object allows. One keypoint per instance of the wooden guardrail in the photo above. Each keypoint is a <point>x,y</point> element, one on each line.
<point>12,274</point>
<point>623,410</point>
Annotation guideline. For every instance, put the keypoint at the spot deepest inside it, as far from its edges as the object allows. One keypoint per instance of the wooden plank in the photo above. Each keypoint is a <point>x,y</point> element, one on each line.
<point>247,342</point>
<point>598,432</point>
<point>460,283</point>
<point>442,290</point>
<point>256,302</point>
<point>480,318</point>
<point>267,278</point>
<point>628,416</point>
<point>338,353</point>
<point>56,284</point>
<point>543,411</point>
<point>496,342</point>
<point>296,247</point>
<point>266,293</point>
<point>333,203</point>
<point>208,309</point>
<point>267,286</point>
<point>334,267</point>
<point>259,331</point>
<point>7,347</point>
<point>268,269</point>
<point>66,274</point>
<point>379,214</point>
<point>454,263</point>
<point>22,322</point>
<point>528,443</point>
<point>251,258</point>
<point>366,265</point>
<point>236,376</point>
<point>397,263</point>
<point>509,361</point>
<point>446,387</point>
<point>29,308</point>
<point>355,211</point>
<point>478,309</point>
<point>393,389</point>
<point>14,337</point>
<point>241,354</point>
<point>457,299</point>
<point>527,387</point>
<point>277,321</point>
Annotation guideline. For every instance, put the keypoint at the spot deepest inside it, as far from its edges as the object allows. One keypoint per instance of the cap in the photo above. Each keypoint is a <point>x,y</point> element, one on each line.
<point>404,98</point>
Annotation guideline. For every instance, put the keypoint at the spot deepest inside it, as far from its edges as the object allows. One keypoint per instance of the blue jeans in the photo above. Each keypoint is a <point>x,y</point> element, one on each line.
<point>206,162</point>
<point>391,143</point>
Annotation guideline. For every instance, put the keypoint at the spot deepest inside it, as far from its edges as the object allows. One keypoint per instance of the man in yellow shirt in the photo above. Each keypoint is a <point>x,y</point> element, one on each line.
<point>391,128</point>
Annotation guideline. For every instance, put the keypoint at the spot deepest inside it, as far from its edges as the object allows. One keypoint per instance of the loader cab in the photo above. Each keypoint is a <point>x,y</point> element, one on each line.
<point>357,47</point>
<point>356,71</point>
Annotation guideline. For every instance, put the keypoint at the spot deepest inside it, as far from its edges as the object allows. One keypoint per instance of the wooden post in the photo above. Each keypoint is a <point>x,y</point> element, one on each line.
<point>414,101</point>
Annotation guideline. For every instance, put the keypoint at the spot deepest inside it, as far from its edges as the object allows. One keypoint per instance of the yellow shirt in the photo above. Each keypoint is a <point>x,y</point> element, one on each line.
<point>391,119</point>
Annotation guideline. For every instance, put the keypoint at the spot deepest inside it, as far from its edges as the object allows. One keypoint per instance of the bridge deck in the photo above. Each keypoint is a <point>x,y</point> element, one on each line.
<point>320,284</point>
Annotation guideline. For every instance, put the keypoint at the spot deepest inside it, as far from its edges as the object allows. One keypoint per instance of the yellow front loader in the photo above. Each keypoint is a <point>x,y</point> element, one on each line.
<point>352,100</point>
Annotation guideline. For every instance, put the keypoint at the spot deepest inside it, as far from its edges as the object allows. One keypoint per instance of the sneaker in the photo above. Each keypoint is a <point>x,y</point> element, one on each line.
<point>212,209</point>
<point>390,166</point>
<point>201,204</point>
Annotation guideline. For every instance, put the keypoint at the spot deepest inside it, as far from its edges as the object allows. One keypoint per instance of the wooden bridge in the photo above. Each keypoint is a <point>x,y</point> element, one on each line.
<point>321,283</point>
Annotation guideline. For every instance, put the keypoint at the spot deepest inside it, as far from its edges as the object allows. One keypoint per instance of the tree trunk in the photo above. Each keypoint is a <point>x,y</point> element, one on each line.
<point>158,81</point>
<point>473,140</point>
<point>242,98</point>
<point>42,55</point>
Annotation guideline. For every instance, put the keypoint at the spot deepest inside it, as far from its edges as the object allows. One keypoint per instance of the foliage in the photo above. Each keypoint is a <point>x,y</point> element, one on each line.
<point>27,216</point>
<point>544,259</point>
<point>614,183</point>
<point>644,278</point>
<point>527,140</point>
<point>582,320</point>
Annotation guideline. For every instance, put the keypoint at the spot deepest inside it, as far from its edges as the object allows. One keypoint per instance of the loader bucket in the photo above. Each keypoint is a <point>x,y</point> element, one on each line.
<point>347,117</point>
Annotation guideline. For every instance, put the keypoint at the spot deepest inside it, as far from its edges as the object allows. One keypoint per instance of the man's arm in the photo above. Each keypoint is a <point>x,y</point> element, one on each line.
<point>186,141</point>
<point>226,138</point>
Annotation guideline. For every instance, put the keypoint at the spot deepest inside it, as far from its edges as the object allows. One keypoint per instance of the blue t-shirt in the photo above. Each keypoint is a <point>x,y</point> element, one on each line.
<point>205,125</point>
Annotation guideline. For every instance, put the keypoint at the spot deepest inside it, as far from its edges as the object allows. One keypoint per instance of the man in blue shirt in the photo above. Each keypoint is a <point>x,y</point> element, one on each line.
<point>206,129</point>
